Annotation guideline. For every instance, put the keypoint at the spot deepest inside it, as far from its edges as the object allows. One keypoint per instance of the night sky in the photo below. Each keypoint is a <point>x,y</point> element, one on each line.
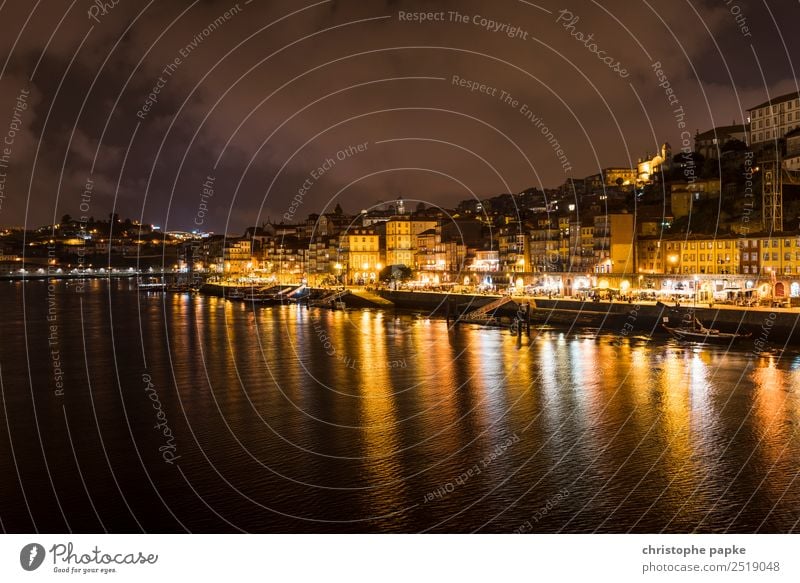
<point>258,101</point>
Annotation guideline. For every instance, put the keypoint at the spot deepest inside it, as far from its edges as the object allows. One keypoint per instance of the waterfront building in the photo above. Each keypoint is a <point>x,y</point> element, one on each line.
<point>694,255</point>
<point>237,256</point>
<point>401,238</point>
<point>485,260</point>
<point>613,243</point>
<point>286,258</point>
<point>425,257</point>
<point>362,252</point>
<point>779,254</point>
<point>322,257</point>
<point>581,245</point>
<point>451,256</point>
<point>697,255</point>
<point>749,256</point>
<point>545,248</point>
<point>513,247</point>
<point>650,256</point>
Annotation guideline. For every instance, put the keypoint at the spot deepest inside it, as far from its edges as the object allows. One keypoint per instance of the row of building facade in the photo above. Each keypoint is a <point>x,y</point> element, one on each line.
<point>617,245</point>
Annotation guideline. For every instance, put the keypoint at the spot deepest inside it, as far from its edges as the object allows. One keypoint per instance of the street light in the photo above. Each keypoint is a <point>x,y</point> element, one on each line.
<point>673,259</point>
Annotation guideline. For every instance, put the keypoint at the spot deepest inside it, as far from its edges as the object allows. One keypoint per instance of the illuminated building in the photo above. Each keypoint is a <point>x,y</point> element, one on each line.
<point>650,167</point>
<point>401,239</point>
<point>363,254</point>
<point>773,119</point>
<point>613,243</point>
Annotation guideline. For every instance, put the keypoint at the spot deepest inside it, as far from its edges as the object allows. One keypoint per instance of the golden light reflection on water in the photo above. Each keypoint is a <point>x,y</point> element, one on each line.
<point>375,355</point>
<point>777,419</point>
<point>666,410</point>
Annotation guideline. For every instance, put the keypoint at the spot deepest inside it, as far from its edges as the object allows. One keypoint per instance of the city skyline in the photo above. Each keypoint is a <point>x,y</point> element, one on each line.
<point>399,267</point>
<point>141,109</point>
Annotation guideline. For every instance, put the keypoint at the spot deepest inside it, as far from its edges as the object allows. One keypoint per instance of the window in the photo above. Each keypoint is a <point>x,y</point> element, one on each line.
<point>702,245</point>
<point>766,256</point>
<point>774,256</point>
<point>774,243</point>
<point>702,257</point>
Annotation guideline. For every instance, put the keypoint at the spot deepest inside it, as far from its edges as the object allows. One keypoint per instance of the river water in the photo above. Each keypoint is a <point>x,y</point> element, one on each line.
<point>128,412</point>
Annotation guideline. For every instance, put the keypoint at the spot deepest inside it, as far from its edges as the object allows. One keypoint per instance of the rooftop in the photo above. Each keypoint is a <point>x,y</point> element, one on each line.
<point>777,100</point>
<point>722,131</point>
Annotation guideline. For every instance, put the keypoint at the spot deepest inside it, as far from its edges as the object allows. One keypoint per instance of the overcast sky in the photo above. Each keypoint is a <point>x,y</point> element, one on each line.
<point>259,101</point>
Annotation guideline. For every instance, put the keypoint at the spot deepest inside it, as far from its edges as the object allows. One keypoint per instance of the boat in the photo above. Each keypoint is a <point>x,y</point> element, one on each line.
<point>234,294</point>
<point>151,286</point>
<point>697,332</point>
<point>179,288</point>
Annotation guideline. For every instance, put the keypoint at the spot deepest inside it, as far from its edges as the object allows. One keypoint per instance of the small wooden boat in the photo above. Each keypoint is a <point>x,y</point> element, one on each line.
<point>697,332</point>
<point>151,286</point>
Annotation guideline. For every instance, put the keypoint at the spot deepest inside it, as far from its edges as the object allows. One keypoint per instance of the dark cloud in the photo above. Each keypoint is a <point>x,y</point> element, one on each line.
<point>261,99</point>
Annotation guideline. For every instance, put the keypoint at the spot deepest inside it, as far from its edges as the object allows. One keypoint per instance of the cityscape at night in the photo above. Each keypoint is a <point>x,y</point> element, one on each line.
<point>400,267</point>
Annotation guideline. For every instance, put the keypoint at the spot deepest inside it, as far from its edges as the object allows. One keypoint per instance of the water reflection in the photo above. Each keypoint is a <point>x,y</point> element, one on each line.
<point>659,436</point>
<point>291,418</point>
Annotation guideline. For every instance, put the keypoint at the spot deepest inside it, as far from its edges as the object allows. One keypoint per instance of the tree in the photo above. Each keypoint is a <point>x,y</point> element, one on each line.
<point>421,207</point>
<point>338,210</point>
<point>734,145</point>
<point>395,273</point>
<point>66,219</point>
<point>686,165</point>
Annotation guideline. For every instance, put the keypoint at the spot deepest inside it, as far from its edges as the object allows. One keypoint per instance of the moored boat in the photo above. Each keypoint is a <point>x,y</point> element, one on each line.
<point>697,332</point>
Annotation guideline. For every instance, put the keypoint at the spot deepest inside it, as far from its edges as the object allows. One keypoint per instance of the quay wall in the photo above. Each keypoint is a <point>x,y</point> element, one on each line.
<point>774,326</point>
